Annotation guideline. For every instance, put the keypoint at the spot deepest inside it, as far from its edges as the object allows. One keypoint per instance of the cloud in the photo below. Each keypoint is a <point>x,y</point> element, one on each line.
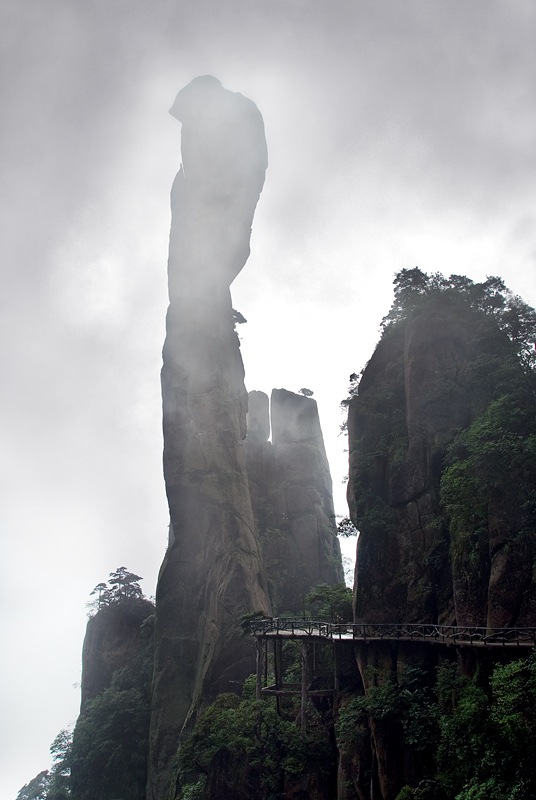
<point>398,134</point>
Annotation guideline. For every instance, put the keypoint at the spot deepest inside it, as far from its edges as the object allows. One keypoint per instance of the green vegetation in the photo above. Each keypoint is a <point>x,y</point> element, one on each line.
<point>110,742</point>
<point>487,748</point>
<point>110,739</point>
<point>37,788</point>
<point>472,738</point>
<point>53,784</point>
<point>346,528</point>
<point>476,737</point>
<point>330,602</point>
<point>414,289</point>
<point>410,704</point>
<point>242,746</point>
<point>121,585</point>
<point>485,477</point>
<point>491,477</point>
<point>105,757</point>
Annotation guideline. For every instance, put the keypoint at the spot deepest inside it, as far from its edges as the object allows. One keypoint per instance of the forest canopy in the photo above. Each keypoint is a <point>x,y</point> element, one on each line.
<point>413,288</point>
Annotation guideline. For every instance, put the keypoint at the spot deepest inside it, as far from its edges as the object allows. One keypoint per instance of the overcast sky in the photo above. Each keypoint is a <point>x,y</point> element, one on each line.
<point>401,133</point>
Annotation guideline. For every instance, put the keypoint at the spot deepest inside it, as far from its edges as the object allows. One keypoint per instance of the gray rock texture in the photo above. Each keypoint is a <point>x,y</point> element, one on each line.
<point>214,195</point>
<point>109,745</point>
<point>430,377</point>
<point>113,640</point>
<point>212,572</point>
<point>398,427</point>
<point>291,494</point>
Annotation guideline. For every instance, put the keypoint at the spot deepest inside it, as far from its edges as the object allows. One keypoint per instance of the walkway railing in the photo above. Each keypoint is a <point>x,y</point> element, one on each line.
<point>305,628</point>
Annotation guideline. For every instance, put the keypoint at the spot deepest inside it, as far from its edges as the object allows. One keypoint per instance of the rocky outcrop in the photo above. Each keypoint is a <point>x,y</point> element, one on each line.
<point>113,640</point>
<point>412,398</point>
<point>212,572</point>
<point>429,378</point>
<point>291,493</point>
<point>434,374</point>
<point>108,757</point>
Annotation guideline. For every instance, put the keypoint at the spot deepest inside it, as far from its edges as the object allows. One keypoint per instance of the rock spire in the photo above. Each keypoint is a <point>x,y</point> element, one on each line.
<point>291,494</point>
<point>212,572</point>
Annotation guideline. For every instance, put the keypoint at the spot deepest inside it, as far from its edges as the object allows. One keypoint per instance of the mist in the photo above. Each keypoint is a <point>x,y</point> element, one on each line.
<point>399,135</point>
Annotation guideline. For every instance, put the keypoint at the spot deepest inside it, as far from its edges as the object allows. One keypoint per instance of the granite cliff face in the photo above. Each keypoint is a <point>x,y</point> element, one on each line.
<point>212,572</point>
<point>442,469</point>
<point>291,494</point>
<point>108,757</point>
<point>230,526</point>
<point>113,640</point>
<point>430,378</point>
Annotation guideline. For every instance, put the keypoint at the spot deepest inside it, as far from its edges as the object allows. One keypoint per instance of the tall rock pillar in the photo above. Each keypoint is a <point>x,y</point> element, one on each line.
<point>291,494</point>
<point>212,572</point>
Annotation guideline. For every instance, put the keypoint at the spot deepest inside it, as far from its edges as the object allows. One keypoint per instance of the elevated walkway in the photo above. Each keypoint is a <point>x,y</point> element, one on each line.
<point>312,632</point>
<point>460,636</point>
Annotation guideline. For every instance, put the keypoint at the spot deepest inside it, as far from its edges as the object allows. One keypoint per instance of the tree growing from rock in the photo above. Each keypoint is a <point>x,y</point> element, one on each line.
<point>122,585</point>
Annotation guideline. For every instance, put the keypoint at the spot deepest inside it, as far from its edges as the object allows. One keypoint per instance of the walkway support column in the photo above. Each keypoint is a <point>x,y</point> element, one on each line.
<point>306,679</point>
<point>336,677</point>
<point>278,671</point>
<point>259,660</point>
